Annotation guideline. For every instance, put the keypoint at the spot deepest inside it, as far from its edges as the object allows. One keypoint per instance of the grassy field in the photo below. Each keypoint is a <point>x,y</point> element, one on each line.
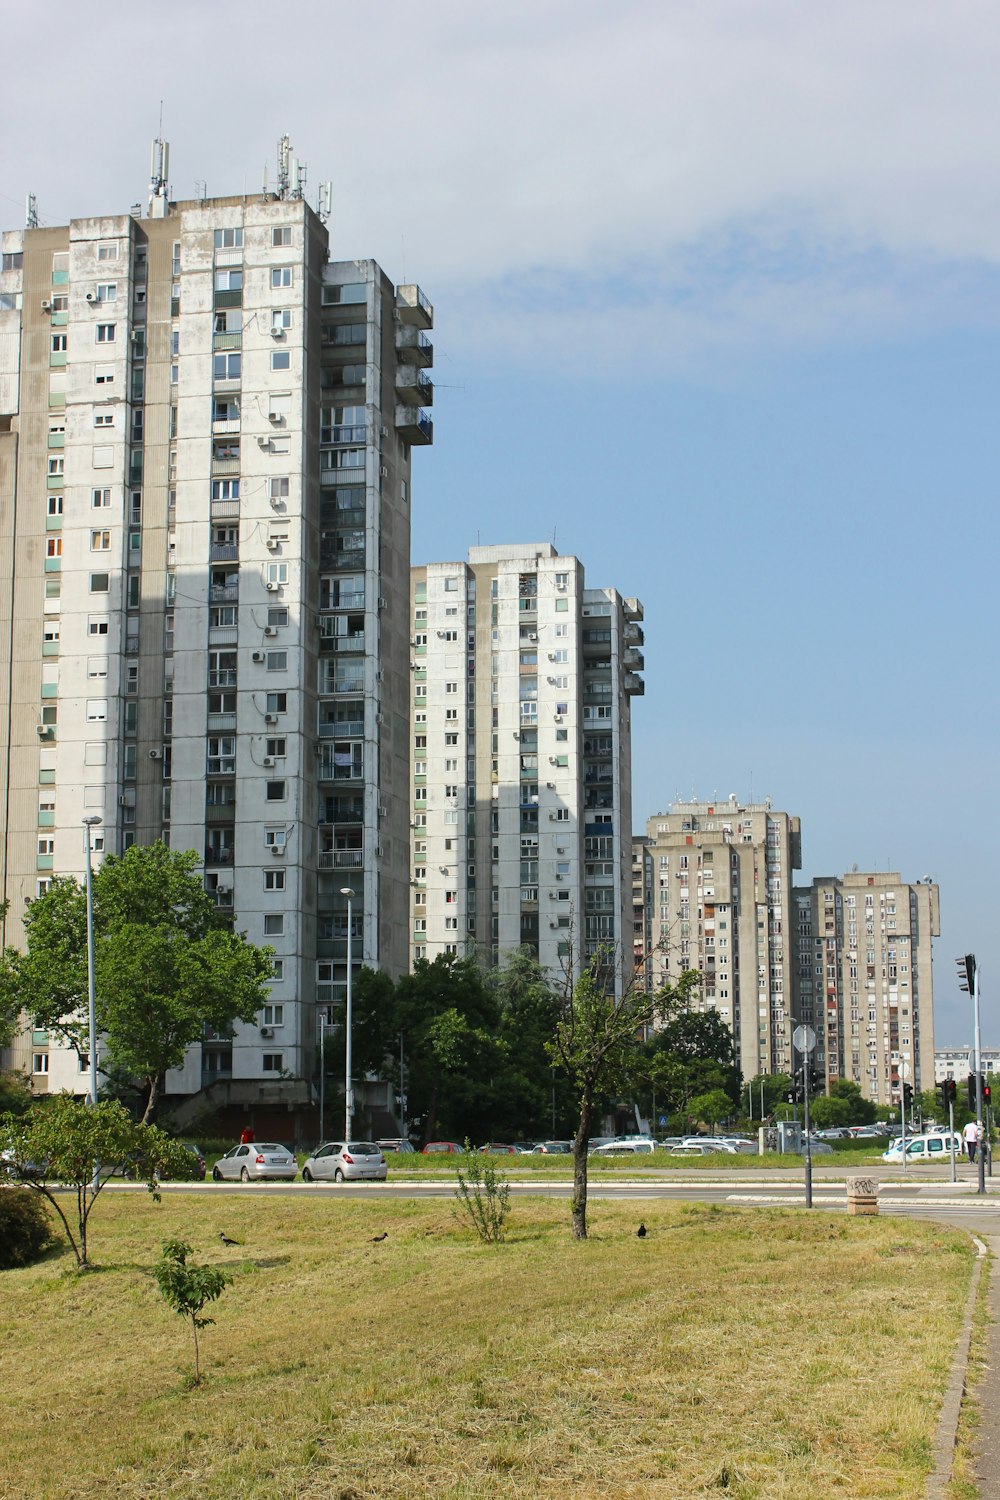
<point>753,1355</point>
<point>618,1166</point>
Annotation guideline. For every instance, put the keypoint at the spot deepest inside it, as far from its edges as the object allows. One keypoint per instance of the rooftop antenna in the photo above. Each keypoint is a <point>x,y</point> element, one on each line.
<point>284,156</point>
<point>30,212</point>
<point>159,173</point>
<point>325,201</point>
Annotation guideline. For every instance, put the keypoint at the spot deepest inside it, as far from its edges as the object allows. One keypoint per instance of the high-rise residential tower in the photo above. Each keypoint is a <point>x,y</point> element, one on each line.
<point>521,763</point>
<point>722,874</point>
<point>205,437</point>
<point>864,981</point>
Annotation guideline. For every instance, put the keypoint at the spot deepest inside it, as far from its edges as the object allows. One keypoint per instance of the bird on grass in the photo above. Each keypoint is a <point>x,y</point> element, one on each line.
<point>640,1233</point>
<point>226,1240</point>
<point>377,1239</point>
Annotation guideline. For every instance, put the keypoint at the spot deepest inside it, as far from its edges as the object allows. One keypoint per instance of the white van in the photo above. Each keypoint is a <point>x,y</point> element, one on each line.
<point>933,1147</point>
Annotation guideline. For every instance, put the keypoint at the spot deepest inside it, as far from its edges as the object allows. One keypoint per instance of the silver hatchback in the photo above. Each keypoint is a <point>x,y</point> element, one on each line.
<point>352,1161</point>
<point>261,1161</point>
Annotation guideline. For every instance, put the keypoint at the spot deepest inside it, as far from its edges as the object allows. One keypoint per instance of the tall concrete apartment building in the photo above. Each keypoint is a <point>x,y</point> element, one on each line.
<point>522,681</point>
<point>864,979</point>
<point>206,429</point>
<point>721,904</point>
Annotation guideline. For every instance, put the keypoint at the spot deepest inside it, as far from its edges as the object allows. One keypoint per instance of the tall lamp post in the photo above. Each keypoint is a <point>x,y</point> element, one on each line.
<point>804,1039</point>
<point>88,824</point>
<point>347,891</point>
<point>968,980</point>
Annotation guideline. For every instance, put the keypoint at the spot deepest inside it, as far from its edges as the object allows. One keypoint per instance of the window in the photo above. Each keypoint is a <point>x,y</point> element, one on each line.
<point>55,466</point>
<point>107,250</point>
<point>272,1015</point>
<point>104,374</point>
<point>100,583</point>
<point>275,838</point>
<point>97,625</point>
<point>106,333</point>
<point>281,235</point>
<point>229,281</point>
<point>97,710</point>
<point>226,366</point>
<point>104,418</point>
<point>272,1062</point>
<point>274,924</point>
<point>40,1062</point>
<point>278,488</point>
<point>58,343</point>
<point>274,880</point>
<point>53,546</point>
<point>100,541</point>
<point>281,359</point>
<point>225,489</point>
<point>276,747</point>
<point>281,276</point>
<point>275,791</point>
<point>229,239</point>
<point>277,661</point>
<point>277,572</point>
<point>107,291</point>
<point>281,318</point>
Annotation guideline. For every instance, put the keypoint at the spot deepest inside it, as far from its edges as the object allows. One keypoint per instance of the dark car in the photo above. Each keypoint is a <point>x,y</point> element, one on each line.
<point>199,1159</point>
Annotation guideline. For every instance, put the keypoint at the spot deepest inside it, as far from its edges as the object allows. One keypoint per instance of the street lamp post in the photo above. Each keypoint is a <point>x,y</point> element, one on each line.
<point>968,980</point>
<point>347,891</point>
<point>804,1038</point>
<point>88,824</point>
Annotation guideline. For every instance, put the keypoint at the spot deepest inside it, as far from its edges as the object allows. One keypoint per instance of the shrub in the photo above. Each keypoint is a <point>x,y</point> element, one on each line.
<point>25,1227</point>
<point>483,1196</point>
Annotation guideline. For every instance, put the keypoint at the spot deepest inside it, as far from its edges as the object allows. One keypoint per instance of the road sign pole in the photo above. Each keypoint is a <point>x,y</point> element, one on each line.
<point>804,1040</point>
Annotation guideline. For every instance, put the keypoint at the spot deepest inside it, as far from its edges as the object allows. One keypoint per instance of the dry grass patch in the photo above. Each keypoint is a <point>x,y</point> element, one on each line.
<point>756,1355</point>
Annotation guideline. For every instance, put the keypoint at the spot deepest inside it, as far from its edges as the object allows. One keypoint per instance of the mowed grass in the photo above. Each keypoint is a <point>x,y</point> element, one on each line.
<point>763,1355</point>
<point>416,1165</point>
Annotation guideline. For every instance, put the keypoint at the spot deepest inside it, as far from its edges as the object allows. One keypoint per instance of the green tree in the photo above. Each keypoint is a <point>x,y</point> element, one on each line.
<point>862,1110</point>
<point>776,1088</point>
<point>166,965</point>
<point>15,1093</point>
<point>449,1020</point>
<point>711,1108</point>
<point>518,1097</point>
<point>187,1289</point>
<point>825,1112</point>
<point>596,1042</point>
<point>67,1143</point>
<point>692,1054</point>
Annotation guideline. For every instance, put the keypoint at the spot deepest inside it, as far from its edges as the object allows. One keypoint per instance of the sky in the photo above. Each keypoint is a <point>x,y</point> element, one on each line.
<point>716,310</point>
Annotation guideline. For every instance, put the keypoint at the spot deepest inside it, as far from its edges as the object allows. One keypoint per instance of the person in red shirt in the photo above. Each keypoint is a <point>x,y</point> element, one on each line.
<point>246,1138</point>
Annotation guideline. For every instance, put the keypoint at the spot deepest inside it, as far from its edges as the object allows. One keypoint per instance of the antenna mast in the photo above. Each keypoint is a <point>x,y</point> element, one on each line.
<point>159,172</point>
<point>30,212</point>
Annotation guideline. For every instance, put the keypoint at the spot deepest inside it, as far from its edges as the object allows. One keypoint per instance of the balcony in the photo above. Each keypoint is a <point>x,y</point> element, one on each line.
<point>227,340</point>
<point>342,729</point>
<point>224,552</point>
<point>222,679</point>
<point>221,467</point>
<point>413,346</point>
<point>341,859</point>
<point>414,386</point>
<point>634,658</point>
<point>413,308</point>
<point>634,685</point>
<point>227,425</point>
<point>218,855</point>
<point>224,593</point>
<point>220,509</point>
<point>632,609</point>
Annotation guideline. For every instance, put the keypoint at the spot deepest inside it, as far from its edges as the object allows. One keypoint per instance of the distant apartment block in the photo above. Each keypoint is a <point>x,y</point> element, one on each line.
<point>521,798</point>
<point>721,902</point>
<point>864,979</point>
<point>959,1062</point>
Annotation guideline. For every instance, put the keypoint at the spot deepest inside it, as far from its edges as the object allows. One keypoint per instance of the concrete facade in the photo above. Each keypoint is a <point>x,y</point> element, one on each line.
<point>521,762</point>
<point>721,902</point>
<point>205,438</point>
<point>864,979</point>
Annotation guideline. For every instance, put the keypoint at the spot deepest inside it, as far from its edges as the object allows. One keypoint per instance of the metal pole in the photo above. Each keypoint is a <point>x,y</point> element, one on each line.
<point>809,1160</point>
<point>348,1018</point>
<point>951,1133</point>
<point>88,824</point>
<point>322,1073</point>
<point>981,1151</point>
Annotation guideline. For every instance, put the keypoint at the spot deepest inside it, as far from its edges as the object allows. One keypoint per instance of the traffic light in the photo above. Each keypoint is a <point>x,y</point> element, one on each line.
<point>952,1093</point>
<point>944,1089</point>
<point>907,1095</point>
<point>814,1080</point>
<point>793,1094</point>
<point>986,1093</point>
<point>967,973</point>
<point>972,1090</point>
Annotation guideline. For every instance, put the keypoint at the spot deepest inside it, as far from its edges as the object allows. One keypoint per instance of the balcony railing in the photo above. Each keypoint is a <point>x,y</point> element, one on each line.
<point>341,859</point>
<point>223,678</point>
<point>223,593</point>
<point>224,552</point>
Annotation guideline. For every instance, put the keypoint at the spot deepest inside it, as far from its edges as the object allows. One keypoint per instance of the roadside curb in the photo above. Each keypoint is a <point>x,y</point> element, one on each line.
<point>947,1429</point>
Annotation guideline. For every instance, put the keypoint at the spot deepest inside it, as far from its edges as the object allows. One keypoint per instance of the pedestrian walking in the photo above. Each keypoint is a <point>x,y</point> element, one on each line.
<point>970,1135</point>
<point>246,1137</point>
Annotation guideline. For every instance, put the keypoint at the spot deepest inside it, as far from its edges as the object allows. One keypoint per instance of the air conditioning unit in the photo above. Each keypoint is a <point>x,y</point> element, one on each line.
<point>267,1032</point>
<point>272,586</point>
<point>557,718</point>
<point>264,442</point>
<point>385,432</point>
<point>277,848</point>
<point>383,472</point>
<point>552,895</point>
<point>552,656</point>
<point>276,332</point>
<point>551,786</point>
<point>273,544</point>
<point>383,811</point>
<point>223,890</point>
<point>553,925</point>
<point>268,760</point>
<point>274,416</point>
<point>257,656</point>
<point>43,731</point>
<point>91,297</point>
<point>383,602</point>
<point>270,718</point>
<point>46,305</point>
<point>156,754</point>
<point>532,638</point>
<point>380,717</point>
<point>124,802</point>
<point>270,630</point>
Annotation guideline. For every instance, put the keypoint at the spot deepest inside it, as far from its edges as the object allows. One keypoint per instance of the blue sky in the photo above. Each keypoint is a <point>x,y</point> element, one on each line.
<point>716,306</point>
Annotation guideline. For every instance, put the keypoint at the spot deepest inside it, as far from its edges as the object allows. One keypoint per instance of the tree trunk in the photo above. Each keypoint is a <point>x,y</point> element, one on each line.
<point>581,1143</point>
<point>151,1101</point>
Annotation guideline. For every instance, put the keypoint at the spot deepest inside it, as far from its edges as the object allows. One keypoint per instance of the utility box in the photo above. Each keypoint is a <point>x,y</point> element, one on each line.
<point>790,1137</point>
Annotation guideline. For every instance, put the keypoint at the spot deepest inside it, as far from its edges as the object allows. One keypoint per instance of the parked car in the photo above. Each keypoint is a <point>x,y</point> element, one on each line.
<point>554,1148</point>
<point>691,1148</point>
<point>624,1148</point>
<point>199,1158</point>
<point>443,1148</point>
<point>259,1161</point>
<point>400,1146</point>
<point>497,1148</point>
<point>350,1161</point>
<point>935,1146</point>
<point>524,1148</point>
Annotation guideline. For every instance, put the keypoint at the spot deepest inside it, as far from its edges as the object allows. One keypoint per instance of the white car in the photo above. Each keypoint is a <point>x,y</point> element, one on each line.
<point>259,1161</point>
<point>935,1146</point>
<point>624,1148</point>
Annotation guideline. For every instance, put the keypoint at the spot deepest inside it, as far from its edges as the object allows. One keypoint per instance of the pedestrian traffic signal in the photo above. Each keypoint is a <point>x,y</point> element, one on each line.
<point>986,1093</point>
<point>793,1094</point>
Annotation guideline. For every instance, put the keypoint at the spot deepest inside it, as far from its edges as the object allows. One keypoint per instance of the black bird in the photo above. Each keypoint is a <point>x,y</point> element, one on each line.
<point>226,1240</point>
<point>640,1233</point>
<point>377,1239</point>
